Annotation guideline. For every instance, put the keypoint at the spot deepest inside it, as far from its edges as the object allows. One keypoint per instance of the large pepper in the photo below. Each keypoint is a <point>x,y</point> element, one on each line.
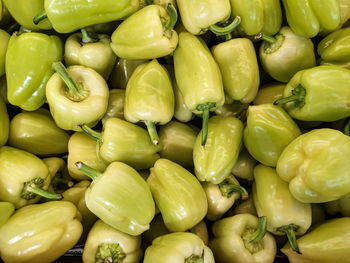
<point>116,103</point>
<point>178,195</point>
<point>214,162</point>
<point>317,166</point>
<point>318,94</point>
<point>286,54</point>
<point>242,239</point>
<point>4,40</point>
<point>40,233</point>
<point>28,68</point>
<point>308,17</point>
<point>106,244</point>
<point>149,97</point>
<point>29,177</point>
<point>76,96</point>
<point>91,51</point>
<point>36,132</point>
<point>342,206</point>
<point>327,243</point>
<point>6,210</point>
<point>258,15</point>
<point>4,123</point>
<point>269,93</point>
<point>285,214</point>
<point>203,89</point>
<point>269,130</point>
<point>147,34</point>
<point>244,166</point>
<point>120,197</point>
<point>125,142</point>
<point>178,248</point>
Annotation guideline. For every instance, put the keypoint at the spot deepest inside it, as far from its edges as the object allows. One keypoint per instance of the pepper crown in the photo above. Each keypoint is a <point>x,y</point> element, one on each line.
<point>227,189</point>
<point>33,188</point>
<point>109,253</point>
<point>289,230</point>
<point>194,259</point>
<point>252,238</point>
<point>298,97</point>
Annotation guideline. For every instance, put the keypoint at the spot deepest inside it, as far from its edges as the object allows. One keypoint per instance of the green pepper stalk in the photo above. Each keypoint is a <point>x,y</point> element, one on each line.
<point>298,97</point>
<point>227,189</point>
<point>347,127</point>
<point>226,31</point>
<point>39,17</point>
<point>269,39</point>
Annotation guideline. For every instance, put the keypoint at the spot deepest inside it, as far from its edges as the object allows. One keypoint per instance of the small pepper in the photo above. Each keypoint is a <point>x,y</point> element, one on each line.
<point>6,210</point>
<point>106,244</point>
<point>120,197</point>
<point>4,123</point>
<point>116,103</point>
<point>244,166</point>
<point>40,233</point>
<point>4,40</point>
<point>342,206</point>
<point>269,93</point>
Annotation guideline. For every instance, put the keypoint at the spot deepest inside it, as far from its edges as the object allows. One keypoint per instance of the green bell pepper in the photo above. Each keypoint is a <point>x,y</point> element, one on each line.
<point>4,40</point>
<point>214,162</point>
<point>6,210</point>
<point>342,206</point>
<point>147,34</point>
<point>239,68</point>
<point>37,133</point>
<point>269,93</point>
<point>120,197</point>
<point>28,68</point>
<point>116,103</point>
<point>178,248</point>
<point>40,233</point>
<point>178,195</point>
<point>244,166</point>
<point>269,130</point>
<point>285,214</point>
<point>4,123</point>
<point>313,162</point>
<point>202,91</point>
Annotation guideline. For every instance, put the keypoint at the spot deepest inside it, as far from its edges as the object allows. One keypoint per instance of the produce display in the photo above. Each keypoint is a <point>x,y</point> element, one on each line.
<point>175,131</point>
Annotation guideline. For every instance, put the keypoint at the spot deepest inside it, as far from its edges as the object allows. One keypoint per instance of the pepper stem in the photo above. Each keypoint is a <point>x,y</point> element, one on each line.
<point>173,17</point>
<point>38,18</point>
<point>228,37</point>
<point>91,133</point>
<point>269,39</point>
<point>59,180</point>
<point>87,170</point>
<point>13,28</point>
<point>261,231</point>
<point>194,259</point>
<point>86,38</point>
<point>205,109</point>
<point>228,189</point>
<point>152,131</point>
<point>298,97</point>
<point>218,30</point>
<point>347,127</point>
<point>289,231</point>
<point>44,193</point>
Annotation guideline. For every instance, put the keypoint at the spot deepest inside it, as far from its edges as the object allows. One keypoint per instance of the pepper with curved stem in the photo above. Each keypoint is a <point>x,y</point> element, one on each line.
<point>265,37</point>
<point>347,127</point>
<point>228,189</point>
<point>86,38</point>
<point>220,31</point>
<point>90,132</point>
<point>261,231</point>
<point>87,170</point>
<point>289,231</point>
<point>205,109</point>
<point>152,131</point>
<point>40,17</point>
<point>173,17</point>
<point>298,97</point>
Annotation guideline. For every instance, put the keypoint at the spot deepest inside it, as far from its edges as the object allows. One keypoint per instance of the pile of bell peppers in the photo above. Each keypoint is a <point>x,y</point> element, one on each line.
<point>180,131</point>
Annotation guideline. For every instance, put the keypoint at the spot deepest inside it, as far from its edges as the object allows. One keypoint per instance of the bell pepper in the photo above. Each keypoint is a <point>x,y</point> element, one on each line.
<point>244,166</point>
<point>342,206</point>
<point>327,243</point>
<point>246,207</point>
<point>316,166</point>
<point>178,248</point>
<point>29,177</point>
<point>4,40</point>
<point>83,148</point>
<point>125,142</point>
<point>90,51</point>
<point>120,197</point>
<point>239,68</point>
<point>6,210</point>
<point>122,72</point>
<point>147,34</point>
<point>318,94</point>
<point>269,93</point>
<point>4,123</point>
<point>286,54</point>
<point>28,68</point>
<point>221,197</point>
<point>242,239</point>
<point>40,233</point>
<point>269,130</point>
<point>214,162</point>
<point>308,18</point>
<point>149,97</point>
<point>36,132</point>
<point>285,214</point>
<point>76,96</point>
<point>178,195</point>
<point>178,141</point>
<point>23,11</point>
<point>116,103</point>
<point>258,15</point>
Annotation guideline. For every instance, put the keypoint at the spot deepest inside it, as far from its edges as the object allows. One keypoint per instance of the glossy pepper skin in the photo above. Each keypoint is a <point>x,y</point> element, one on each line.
<point>120,197</point>
<point>214,162</point>
<point>334,233</point>
<point>239,68</point>
<point>4,40</point>
<point>28,68</point>
<point>244,166</point>
<point>115,107</point>
<point>4,123</point>
<point>318,94</point>
<point>6,210</point>
<point>68,16</point>
<point>106,243</point>
<point>178,248</point>
<point>178,195</point>
<point>91,51</point>
<point>40,233</point>
<point>268,131</point>
<point>288,55</point>
<point>258,15</point>
<point>36,132</point>
<point>339,206</point>
<point>147,34</point>
<point>285,214</point>
<point>313,162</point>
<point>269,93</point>
<point>308,17</point>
